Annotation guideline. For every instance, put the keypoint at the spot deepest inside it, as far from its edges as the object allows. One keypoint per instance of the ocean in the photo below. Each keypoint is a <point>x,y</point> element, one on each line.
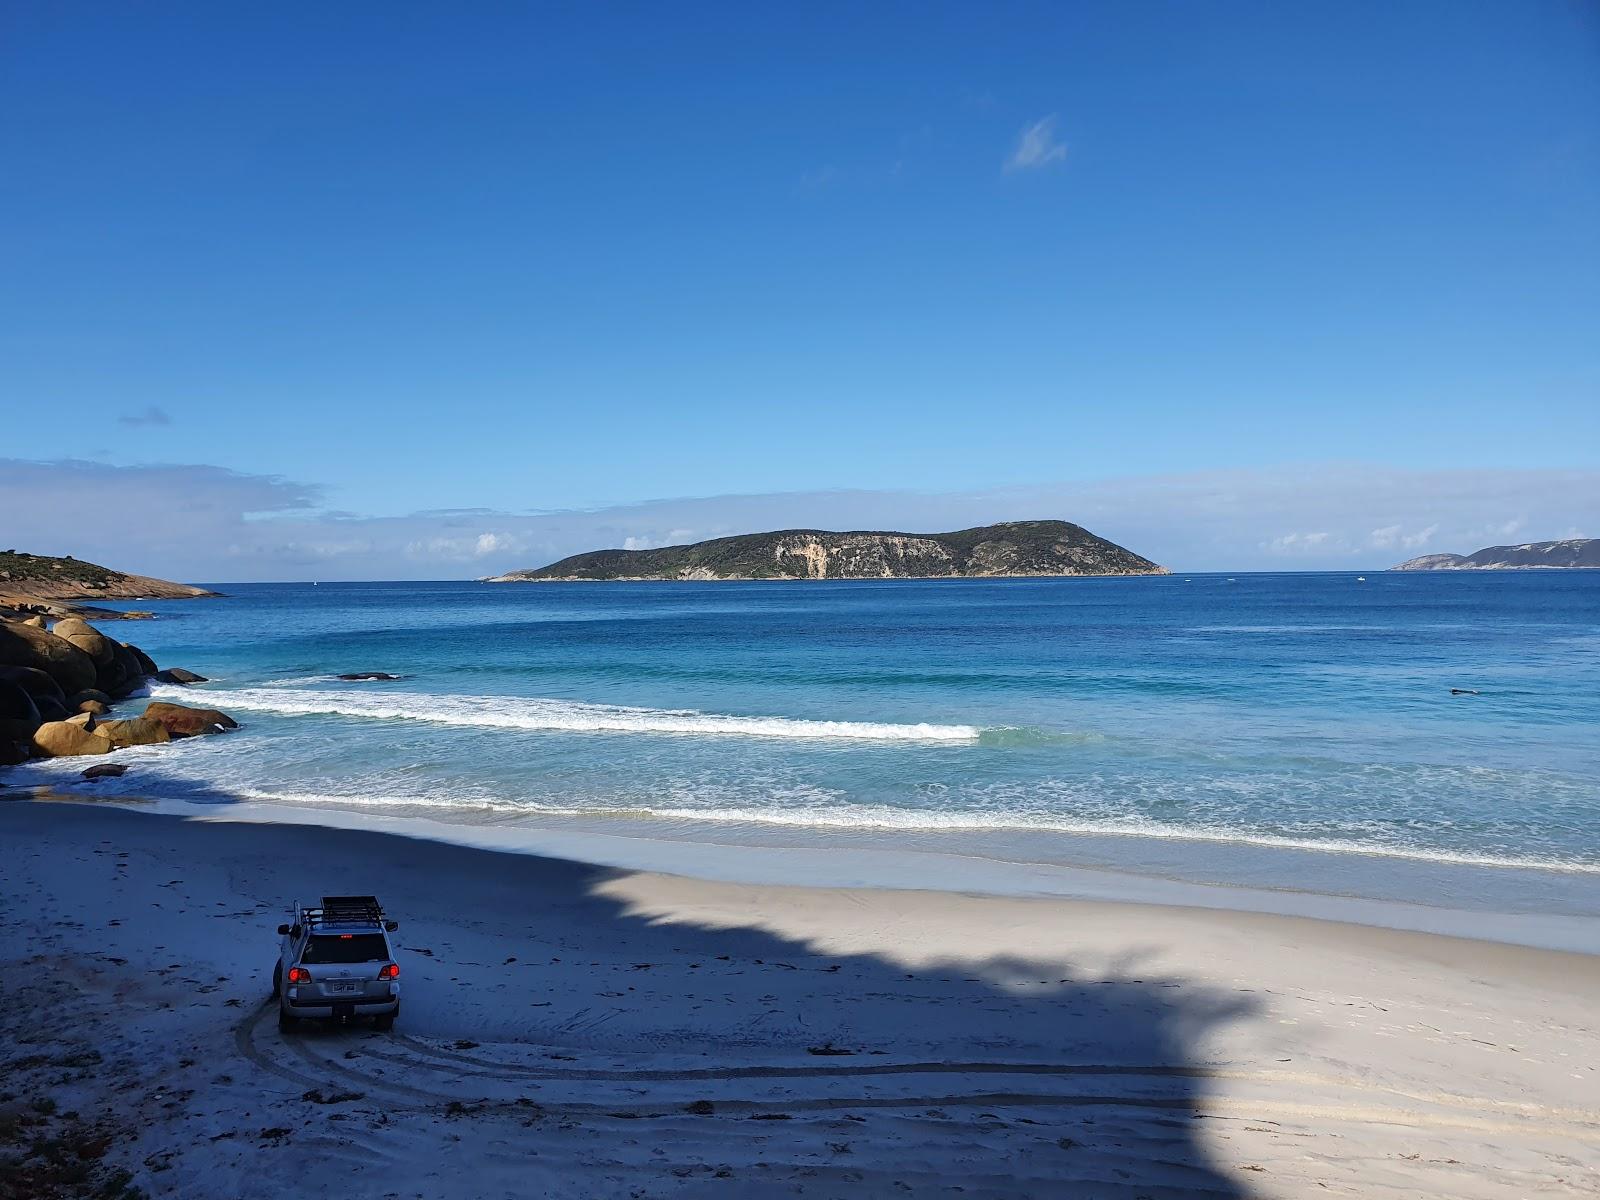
<point>1273,731</point>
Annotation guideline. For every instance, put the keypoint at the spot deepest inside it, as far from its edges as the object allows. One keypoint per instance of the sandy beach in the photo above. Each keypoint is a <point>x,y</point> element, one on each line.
<point>1076,667</point>
<point>573,1030</point>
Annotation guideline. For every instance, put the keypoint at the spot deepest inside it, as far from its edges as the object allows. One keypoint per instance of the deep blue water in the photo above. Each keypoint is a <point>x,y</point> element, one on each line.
<point>1280,710</point>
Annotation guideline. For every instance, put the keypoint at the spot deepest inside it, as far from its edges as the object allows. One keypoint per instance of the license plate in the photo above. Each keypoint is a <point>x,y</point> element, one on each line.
<point>345,985</point>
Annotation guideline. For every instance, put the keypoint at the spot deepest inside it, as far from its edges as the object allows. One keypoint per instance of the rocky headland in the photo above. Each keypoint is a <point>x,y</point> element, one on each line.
<point>1013,549</point>
<point>42,585</point>
<point>1567,554</point>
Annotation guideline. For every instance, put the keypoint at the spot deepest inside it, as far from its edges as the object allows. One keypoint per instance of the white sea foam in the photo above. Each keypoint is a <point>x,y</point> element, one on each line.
<point>801,808</point>
<point>534,713</point>
<point>869,818</point>
<point>920,820</point>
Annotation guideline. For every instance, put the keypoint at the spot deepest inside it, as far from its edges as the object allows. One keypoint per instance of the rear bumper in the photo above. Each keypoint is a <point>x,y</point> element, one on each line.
<point>321,1006</point>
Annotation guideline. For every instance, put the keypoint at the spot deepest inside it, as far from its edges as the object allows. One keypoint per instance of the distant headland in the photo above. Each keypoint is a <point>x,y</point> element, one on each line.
<point>42,585</point>
<point>1012,549</point>
<point>1566,555</point>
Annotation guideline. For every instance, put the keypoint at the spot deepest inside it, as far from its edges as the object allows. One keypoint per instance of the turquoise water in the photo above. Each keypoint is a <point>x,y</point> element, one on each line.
<point>1163,716</point>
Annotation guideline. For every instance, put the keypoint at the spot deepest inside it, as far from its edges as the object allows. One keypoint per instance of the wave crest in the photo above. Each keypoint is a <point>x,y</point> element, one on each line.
<point>573,716</point>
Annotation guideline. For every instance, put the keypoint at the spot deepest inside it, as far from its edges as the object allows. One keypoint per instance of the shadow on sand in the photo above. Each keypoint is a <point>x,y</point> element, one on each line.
<point>1032,1076</point>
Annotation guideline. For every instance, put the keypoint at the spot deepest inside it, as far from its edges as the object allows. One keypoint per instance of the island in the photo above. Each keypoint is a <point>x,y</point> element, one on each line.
<point>1014,549</point>
<point>1567,554</point>
<point>42,585</point>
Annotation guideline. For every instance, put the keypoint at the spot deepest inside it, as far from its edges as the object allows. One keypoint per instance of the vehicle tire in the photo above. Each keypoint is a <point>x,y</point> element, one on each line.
<point>277,979</point>
<point>385,1021</point>
<point>286,1023</point>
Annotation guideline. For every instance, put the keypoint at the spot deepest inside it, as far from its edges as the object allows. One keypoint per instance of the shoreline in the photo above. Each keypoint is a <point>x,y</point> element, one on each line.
<point>863,861</point>
<point>583,1031</point>
<point>812,578</point>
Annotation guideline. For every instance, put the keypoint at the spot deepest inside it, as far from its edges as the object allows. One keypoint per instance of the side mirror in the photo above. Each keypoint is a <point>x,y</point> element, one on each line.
<point>391,926</point>
<point>294,931</point>
<point>282,930</point>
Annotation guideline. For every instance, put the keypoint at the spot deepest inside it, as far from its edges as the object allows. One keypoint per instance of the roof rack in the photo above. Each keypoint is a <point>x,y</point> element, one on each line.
<point>345,910</point>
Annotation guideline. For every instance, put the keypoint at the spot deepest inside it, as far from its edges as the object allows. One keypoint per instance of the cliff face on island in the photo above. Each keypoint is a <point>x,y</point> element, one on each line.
<point>31,582</point>
<point>1017,548</point>
<point>1568,554</point>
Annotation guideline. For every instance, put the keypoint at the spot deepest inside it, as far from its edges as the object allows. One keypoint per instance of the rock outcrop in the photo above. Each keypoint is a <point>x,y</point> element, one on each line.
<point>19,715</point>
<point>75,654</point>
<point>90,640</point>
<point>28,646</point>
<point>1014,549</point>
<point>61,739</point>
<point>147,665</point>
<point>56,685</point>
<point>180,720</point>
<point>47,695</point>
<point>136,731</point>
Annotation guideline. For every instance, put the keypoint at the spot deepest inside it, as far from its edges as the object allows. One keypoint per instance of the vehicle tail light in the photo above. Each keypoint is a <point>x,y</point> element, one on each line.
<point>299,975</point>
<point>392,971</point>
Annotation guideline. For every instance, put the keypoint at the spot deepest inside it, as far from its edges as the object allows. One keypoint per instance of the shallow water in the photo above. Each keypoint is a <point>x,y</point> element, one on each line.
<point>1278,730</point>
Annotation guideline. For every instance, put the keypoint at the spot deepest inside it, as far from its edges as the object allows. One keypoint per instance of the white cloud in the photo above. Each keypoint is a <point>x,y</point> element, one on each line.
<point>207,524</point>
<point>462,547</point>
<point>1504,529</point>
<point>1391,536</point>
<point>672,537</point>
<point>1037,146</point>
<point>1415,541</point>
<point>1297,543</point>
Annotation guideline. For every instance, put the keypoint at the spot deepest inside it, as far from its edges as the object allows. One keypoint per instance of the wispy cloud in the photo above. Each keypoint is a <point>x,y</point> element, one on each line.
<point>1037,146</point>
<point>823,177</point>
<point>150,416</point>
<point>1302,543</point>
<point>1505,529</point>
<point>466,547</point>
<point>672,537</point>
<point>1392,536</point>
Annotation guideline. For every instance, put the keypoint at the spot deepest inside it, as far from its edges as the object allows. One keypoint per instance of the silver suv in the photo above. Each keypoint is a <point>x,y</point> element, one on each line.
<point>336,963</point>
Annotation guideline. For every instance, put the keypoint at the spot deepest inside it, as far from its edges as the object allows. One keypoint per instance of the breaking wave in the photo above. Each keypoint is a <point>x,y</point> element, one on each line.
<point>572,716</point>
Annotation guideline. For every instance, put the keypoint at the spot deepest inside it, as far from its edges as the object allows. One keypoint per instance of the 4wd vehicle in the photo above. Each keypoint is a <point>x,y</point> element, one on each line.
<point>336,963</point>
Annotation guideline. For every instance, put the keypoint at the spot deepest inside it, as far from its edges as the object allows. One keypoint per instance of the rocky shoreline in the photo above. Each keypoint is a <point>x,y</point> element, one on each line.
<point>59,683</point>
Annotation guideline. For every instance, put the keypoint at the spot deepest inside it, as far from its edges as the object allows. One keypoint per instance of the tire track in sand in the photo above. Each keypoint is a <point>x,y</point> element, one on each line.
<point>1461,1112</point>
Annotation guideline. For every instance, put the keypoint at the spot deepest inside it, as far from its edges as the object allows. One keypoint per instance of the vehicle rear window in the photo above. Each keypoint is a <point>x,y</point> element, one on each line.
<point>345,948</point>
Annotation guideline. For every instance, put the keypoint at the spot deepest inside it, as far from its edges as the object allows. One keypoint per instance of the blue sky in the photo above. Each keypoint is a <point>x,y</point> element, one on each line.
<point>397,259</point>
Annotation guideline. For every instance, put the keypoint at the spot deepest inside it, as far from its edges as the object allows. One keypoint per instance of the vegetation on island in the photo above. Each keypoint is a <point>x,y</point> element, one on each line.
<point>17,568</point>
<point>1015,548</point>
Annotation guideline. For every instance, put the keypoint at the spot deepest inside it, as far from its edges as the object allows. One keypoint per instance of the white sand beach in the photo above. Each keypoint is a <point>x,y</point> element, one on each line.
<point>583,1031</point>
